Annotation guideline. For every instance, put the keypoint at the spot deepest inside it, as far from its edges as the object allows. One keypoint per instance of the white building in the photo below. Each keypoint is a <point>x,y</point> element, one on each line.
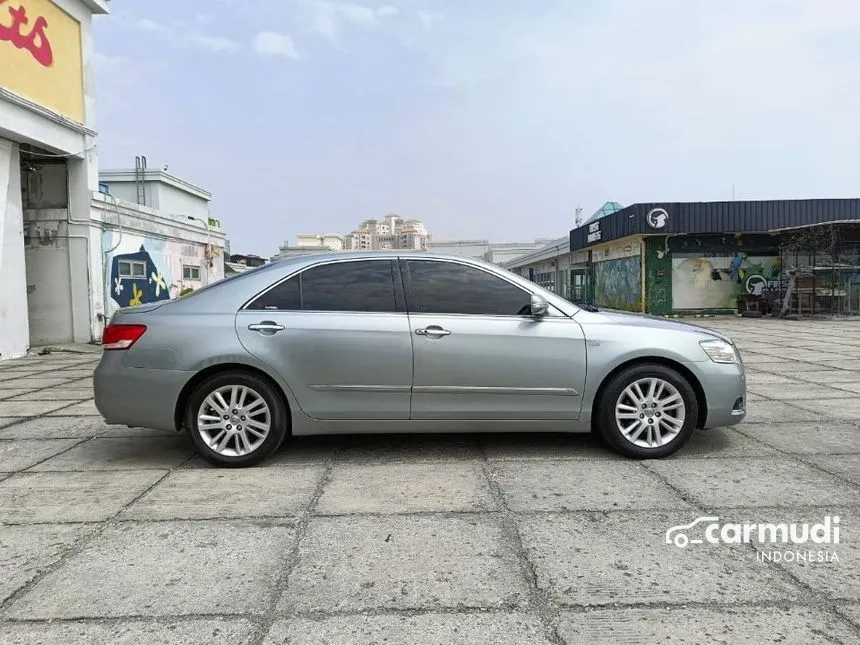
<point>69,255</point>
<point>48,163</point>
<point>484,250</point>
<point>158,251</point>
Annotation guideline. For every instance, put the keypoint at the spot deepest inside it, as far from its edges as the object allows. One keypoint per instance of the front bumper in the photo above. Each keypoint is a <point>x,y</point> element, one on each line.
<point>136,396</point>
<point>725,391</point>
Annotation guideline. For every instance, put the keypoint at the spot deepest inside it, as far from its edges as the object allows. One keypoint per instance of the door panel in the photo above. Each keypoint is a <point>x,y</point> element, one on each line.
<point>339,336</point>
<point>497,368</point>
<point>339,365</point>
<point>478,352</point>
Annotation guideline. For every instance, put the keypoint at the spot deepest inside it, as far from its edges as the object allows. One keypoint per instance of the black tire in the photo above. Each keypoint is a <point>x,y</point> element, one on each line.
<point>608,427</point>
<point>273,398</point>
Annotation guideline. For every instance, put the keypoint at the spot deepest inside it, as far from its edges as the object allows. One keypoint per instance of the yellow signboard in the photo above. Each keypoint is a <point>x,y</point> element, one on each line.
<point>40,55</point>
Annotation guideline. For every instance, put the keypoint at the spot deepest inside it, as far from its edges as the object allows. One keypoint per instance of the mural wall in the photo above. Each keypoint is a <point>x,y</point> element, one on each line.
<point>140,269</point>
<point>716,281</point>
<point>618,283</point>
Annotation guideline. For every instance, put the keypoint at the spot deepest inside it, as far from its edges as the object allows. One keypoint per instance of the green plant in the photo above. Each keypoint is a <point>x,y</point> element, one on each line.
<point>185,291</point>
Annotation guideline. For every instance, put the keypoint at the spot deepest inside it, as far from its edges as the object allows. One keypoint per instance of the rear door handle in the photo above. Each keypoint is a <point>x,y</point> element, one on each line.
<point>266,325</point>
<point>432,331</point>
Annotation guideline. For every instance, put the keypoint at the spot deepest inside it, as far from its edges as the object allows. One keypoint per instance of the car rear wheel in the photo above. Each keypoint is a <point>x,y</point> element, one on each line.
<point>236,419</point>
<point>647,411</point>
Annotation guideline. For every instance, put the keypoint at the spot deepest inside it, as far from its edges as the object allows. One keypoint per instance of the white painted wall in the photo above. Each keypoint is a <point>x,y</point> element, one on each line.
<point>179,202</point>
<point>171,240</point>
<point>14,332</point>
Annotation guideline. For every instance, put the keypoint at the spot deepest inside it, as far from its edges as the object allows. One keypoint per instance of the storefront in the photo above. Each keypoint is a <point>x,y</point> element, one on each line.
<point>48,161</point>
<point>704,257</point>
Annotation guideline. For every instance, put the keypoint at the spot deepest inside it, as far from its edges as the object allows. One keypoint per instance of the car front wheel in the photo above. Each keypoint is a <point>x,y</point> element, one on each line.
<point>236,419</point>
<point>647,411</point>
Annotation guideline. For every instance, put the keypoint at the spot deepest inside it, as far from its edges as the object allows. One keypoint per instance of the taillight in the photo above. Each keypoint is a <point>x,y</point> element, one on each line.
<point>121,336</point>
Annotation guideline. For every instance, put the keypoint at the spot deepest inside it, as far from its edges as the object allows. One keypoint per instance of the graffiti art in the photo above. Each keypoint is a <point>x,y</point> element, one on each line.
<point>135,279</point>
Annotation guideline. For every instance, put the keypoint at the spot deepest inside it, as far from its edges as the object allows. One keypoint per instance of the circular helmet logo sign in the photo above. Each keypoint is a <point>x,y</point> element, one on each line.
<point>657,217</point>
<point>755,284</point>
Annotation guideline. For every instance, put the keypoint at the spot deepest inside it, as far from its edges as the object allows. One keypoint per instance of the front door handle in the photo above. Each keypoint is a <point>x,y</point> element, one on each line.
<point>266,325</point>
<point>433,330</point>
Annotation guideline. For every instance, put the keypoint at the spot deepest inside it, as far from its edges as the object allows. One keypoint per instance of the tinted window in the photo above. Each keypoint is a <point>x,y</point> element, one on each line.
<point>283,297</point>
<point>349,286</point>
<point>449,288</point>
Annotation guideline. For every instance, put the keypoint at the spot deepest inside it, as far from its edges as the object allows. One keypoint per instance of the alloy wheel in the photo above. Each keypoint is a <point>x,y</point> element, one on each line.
<point>234,420</point>
<point>650,412</point>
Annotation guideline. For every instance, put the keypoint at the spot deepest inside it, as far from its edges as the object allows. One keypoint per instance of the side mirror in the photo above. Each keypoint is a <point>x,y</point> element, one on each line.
<point>540,307</point>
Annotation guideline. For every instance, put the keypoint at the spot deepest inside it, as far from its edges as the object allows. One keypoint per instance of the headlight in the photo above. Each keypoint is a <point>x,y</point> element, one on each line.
<point>720,351</point>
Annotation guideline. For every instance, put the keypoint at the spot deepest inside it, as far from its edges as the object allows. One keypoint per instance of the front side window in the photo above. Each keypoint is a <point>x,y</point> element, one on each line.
<point>451,288</point>
<point>366,286</point>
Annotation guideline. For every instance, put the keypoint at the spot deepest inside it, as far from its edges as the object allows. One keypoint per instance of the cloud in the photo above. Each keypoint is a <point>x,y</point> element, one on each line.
<point>327,17</point>
<point>273,44</point>
<point>429,18</point>
<point>185,36</point>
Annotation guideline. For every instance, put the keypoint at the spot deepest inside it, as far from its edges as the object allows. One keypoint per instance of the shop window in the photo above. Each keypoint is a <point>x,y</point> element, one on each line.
<point>190,272</point>
<point>132,269</point>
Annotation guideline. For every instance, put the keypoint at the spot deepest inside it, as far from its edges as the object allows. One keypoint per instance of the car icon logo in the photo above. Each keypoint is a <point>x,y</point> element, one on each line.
<point>677,534</point>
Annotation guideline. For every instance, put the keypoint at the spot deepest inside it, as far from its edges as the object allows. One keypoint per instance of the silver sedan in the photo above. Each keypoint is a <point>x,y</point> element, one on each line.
<point>407,342</point>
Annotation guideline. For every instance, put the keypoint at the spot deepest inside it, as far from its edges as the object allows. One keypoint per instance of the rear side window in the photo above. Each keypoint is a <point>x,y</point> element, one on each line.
<point>451,288</point>
<point>342,286</point>
<point>285,296</point>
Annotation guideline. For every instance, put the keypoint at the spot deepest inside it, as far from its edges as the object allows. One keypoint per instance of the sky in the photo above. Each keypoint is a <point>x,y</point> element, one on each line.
<point>487,119</point>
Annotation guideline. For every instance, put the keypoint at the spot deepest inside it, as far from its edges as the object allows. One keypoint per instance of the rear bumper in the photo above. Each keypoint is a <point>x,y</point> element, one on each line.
<point>136,396</point>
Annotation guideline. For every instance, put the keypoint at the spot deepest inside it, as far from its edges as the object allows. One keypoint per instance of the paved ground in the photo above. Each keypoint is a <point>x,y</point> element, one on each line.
<point>114,535</point>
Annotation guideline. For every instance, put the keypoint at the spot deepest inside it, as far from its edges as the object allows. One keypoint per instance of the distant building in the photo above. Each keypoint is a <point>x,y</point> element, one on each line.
<point>484,250</point>
<point>237,263</point>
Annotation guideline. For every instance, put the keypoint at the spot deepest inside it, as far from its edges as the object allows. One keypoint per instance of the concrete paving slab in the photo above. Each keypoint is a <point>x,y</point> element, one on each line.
<point>219,493</point>
<point>853,387</point>
<point>790,391</point>
<point>843,363</point>
<point>131,453</point>
<point>756,358</point>
<point>581,485</point>
<point>807,438</point>
<point>623,558</point>
<point>295,451</point>
<point>717,443</point>
<point>71,496</point>
<point>828,376</point>
<point>407,447</point>
<point>35,382</point>
<point>212,631</point>
<point>754,378</point>
<point>11,394</point>
<point>27,551</point>
<point>54,394</point>
<point>85,383</point>
<point>828,568</point>
<point>29,408</point>
<point>358,563</point>
<point>76,373</point>
<point>406,488</point>
<point>56,427</point>
<point>753,482</point>
<point>845,409</point>
<point>20,454</point>
<point>5,422</point>
<point>730,625</point>
<point>164,569</point>
<point>423,629</point>
<point>845,466</point>
<point>84,409</point>
<point>546,446</point>
<point>777,412</point>
<point>851,612</point>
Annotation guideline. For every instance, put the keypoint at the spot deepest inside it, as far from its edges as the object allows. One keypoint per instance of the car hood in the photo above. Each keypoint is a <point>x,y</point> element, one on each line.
<point>630,319</point>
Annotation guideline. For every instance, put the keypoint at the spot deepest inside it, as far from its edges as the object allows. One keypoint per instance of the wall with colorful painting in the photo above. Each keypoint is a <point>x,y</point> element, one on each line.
<point>141,269</point>
<point>617,272</point>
